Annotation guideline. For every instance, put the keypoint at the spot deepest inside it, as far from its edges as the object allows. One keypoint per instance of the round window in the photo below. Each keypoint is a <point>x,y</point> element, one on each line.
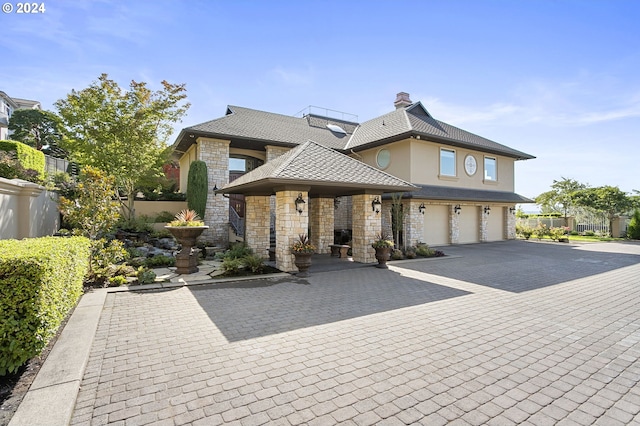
<point>383,158</point>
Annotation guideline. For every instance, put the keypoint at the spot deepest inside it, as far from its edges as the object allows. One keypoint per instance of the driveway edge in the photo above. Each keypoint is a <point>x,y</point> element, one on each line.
<point>52,395</point>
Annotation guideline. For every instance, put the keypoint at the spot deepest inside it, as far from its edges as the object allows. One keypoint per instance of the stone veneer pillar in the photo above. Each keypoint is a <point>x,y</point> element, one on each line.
<point>321,212</point>
<point>413,223</point>
<point>215,153</point>
<point>273,152</point>
<point>385,216</point>
<point>257,222</point>
<point>289,224</point>
<point>484,220</point>
<point>509,223</point>
<point>454,225</point>
<point>366,225</point>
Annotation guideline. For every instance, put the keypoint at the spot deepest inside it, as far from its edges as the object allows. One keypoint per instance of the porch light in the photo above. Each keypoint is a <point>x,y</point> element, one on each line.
<point>421,208</point>
<point>375,204</point>
<point>487,210</point>
<point>299,202</point>
<point>512,210</point>
<point>457,209</point>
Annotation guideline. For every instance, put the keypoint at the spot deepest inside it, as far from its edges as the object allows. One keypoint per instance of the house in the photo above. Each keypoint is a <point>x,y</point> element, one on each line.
<point>7,106</point>
<point>332,176</point>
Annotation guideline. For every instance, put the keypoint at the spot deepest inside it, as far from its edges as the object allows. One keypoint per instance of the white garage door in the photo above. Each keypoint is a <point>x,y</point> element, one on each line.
<point>495,224</point>
<point>436,225</point>
<point>469,225</point>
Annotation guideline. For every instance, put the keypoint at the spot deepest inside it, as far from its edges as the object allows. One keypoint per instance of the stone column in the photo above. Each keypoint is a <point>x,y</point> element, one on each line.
<point>321,223</point>
<point>366,225</point>
<point>509,224</point>
<point>257,213</point>
<point>484,219</point>
<point>454,225</point>
<point>386,218</point>
<point>413,223</point>
<point>215,153</point>
<point>289,224</point>
<point>273,152</point>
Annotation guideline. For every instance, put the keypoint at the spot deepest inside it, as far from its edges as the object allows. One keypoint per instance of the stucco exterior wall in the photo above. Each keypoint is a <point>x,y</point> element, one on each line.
<point>418,161</point>
<point>28,210</point>
<point>185,162</point>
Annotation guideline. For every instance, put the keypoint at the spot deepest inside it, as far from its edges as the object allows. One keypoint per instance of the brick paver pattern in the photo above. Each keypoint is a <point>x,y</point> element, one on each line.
<point>506,333</point>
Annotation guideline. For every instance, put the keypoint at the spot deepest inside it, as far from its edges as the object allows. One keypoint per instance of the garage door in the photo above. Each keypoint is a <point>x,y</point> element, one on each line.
<point>436,225</point>
<point>495,224</point>
<point>469,225</point>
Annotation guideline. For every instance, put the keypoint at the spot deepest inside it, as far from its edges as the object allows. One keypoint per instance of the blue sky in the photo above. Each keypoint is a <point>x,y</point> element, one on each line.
<point>556,79</point>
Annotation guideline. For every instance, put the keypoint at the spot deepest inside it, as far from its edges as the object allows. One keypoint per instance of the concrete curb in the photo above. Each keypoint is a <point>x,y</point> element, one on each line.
<point>52,395</point>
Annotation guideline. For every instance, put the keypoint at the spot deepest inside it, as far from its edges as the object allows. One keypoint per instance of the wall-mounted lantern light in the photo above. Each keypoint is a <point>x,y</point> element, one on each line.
<point>376,204</point>
<point>487,210</point>
<point>512,210</point>
<point>421,208</point>
<point>336,203</point>
<point>299,202</point>
<point>457,209</point>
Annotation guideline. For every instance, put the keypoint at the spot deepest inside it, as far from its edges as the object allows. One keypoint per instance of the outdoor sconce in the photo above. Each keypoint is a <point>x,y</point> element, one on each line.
<point>215,188</point>
<point>421,208</point>
<point>299,202</point>
<point>457,209</point>
<point>487,210</point>
<point>375,205</point>
<point>512,210</point>
<point>336,203</point>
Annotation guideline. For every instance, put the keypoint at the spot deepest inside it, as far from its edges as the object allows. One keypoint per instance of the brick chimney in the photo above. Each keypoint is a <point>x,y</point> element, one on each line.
<point>402,100</point>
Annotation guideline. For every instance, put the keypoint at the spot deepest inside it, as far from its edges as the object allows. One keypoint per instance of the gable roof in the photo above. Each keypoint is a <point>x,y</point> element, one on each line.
<point>249,127</point>
<point>416,120</point>
<point>322,168</point>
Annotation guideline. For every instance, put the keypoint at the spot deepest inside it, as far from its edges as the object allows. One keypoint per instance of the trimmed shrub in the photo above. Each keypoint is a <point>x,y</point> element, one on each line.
<point>197,187</point>
<point>633,230</point>
<point>28,157</point>
<point>40,281</point>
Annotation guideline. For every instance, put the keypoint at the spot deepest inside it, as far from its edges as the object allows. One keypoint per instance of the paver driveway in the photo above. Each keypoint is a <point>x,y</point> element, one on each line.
<point>502,333</point>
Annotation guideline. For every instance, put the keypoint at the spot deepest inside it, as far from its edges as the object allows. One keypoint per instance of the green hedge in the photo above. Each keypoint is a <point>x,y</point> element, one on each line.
<point>40,281</point>
<point>28,157</point>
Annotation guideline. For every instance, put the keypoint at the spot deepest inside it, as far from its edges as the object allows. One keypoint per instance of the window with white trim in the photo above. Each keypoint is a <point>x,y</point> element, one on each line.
<point>490,169</point>
<point>447,162</point>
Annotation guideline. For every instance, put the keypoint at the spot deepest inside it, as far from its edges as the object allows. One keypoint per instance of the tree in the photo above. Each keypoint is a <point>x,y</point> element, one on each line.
<point>607,199</point>
<point>122,132</point>
<point>560,199</point>
<point>197,187</point>
<point>36,128</point>
<point>397,217</point>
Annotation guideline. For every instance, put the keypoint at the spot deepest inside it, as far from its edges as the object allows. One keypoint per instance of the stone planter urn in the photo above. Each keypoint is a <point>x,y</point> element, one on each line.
<point>382,255</point>
<point>302,262</point>
<point>187,258</point>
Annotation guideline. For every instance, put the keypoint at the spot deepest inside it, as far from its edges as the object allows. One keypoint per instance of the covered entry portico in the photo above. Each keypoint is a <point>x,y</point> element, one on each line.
<point>305,182</point>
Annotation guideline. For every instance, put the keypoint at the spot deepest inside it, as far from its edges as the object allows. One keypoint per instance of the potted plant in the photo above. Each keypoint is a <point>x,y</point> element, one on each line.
<point>383,246</point>
<point>186,228</point>
<point>302,249</point>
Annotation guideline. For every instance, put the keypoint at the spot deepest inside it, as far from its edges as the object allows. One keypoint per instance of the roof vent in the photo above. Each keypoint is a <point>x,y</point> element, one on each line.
<point>402,100</point>
<point>336,129</point>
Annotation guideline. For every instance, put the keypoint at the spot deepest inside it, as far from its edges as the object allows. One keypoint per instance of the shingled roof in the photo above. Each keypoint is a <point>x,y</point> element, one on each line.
<point>250,128</point>
<point>434,192</point>
<point>325,170</point>
<point>416,120</point>
<point>259,126</point>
